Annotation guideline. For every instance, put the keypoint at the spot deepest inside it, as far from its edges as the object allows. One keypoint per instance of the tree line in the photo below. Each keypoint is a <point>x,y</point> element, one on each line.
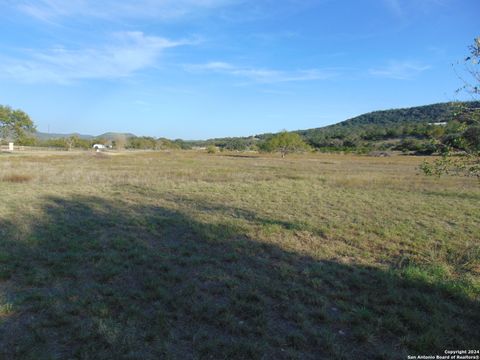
<point>422,130</point>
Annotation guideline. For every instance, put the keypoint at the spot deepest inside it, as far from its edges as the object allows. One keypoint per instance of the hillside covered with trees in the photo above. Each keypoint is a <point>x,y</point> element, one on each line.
<point>420,130</point>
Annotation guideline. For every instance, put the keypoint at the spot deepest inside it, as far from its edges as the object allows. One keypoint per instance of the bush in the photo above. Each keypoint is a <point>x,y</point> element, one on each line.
<point>472,137</point>
<point>285,143</point>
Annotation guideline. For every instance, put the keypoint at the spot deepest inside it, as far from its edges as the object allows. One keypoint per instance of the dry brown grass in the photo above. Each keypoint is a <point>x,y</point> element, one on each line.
<point>252,252</point>
<point>17,178</point>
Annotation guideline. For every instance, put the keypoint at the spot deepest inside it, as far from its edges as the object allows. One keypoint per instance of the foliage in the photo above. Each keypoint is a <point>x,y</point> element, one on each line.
<point>67,143</point>
<point>211,149</point>
<point>464,132</point>
<point>472,137</point>
<point>76,142</point>
<point>15,124</point>
<point>460,165</point>
<point>119,142</point>
<point>419,147</point>
<point>285,143</point>
<point>471,64</point>
<point>166,144</point>
<point>56,143</point>
<point>27,140</point>
<point>144,143</point>
<point>377,129</point>
<point>236,144</point>
<point>229,143</point>
<point>420,130</point>
<point>182,144</point>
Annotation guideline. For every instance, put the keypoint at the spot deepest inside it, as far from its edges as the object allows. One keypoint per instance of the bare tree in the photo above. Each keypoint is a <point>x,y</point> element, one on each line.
<point>470,75</point>
<point>468,162</point>
<point>120,142</point>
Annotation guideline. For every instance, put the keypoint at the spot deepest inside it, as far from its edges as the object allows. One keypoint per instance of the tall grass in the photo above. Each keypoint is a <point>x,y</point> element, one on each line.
<point>195,255</point>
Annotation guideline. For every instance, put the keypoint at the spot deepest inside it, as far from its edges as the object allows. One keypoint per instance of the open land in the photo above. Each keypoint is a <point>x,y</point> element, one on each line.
<point>188,255</point>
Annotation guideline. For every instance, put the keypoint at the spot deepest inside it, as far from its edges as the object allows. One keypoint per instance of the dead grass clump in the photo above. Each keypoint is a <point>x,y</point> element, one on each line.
<point>101,155</point>
<point>17,178</point>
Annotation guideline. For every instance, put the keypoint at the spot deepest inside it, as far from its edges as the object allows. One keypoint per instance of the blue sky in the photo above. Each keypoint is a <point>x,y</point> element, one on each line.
<point>198,69</point>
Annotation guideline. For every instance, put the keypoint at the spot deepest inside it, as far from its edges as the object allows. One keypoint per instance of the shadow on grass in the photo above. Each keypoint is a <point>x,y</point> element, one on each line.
<point>98,279</point>
<point>454,194</point>
<point>241,213</point>
<point>247,156</point>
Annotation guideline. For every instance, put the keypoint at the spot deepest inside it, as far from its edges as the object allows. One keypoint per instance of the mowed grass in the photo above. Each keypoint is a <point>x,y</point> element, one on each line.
<point>186,255</point>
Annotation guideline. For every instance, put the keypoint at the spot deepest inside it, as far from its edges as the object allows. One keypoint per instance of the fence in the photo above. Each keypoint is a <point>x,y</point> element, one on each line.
<point>30,148</point>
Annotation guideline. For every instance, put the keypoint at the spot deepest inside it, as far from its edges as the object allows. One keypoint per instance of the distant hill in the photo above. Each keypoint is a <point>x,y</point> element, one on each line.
<point>115,135</point>
<point>405,129</point>
<point>107,136</point>
<point>442,112</point>
<point>413,129</point>
<point>50,136</point>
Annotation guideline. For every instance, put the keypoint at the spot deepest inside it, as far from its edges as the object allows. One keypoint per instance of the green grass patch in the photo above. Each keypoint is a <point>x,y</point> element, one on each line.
<point>193,256</point>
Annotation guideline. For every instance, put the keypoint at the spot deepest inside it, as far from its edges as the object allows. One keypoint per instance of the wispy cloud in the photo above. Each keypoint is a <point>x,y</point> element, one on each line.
<point>262,75</point>
<point>129,53</point>
<point>400,70</point>
<point>395,7</point>
<point>141,103</point>
<point>50,10</point>
<point>401,8</point>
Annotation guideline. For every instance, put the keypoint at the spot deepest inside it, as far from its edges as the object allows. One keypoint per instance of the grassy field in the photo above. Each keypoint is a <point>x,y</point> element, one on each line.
<point>186,255</point>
